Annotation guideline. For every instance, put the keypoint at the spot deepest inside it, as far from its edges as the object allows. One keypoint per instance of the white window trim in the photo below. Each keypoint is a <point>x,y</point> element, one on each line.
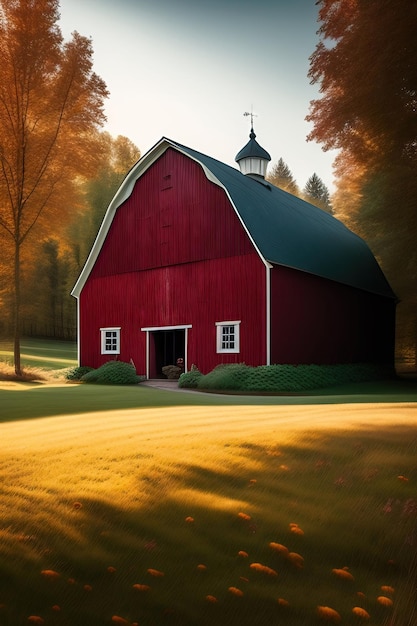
<point>219,337</point>
<point>103,339</point>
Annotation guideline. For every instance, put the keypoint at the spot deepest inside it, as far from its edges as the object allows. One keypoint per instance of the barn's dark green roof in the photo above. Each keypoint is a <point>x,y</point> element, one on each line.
<point>291,232</point>
<point>285,230</point>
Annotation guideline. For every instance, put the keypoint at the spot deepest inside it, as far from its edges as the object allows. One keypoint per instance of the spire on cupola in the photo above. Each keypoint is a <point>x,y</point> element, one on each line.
<point>253,159</point>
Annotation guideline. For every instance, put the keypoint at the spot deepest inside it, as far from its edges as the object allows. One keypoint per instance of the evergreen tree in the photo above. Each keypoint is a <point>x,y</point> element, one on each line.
<point>316,192</point>
<point>281,176</point>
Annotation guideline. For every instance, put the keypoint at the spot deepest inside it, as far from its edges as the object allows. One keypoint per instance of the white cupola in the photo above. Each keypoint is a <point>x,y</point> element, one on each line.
<point>253,159</point>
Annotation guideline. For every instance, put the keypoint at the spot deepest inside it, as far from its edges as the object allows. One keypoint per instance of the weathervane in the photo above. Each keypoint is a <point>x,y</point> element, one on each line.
<point>252,115</point>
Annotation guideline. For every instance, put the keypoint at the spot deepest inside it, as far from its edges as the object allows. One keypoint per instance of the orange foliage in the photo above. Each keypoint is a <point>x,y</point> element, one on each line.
<point>384,601</point>
<point>278,547</point>
<point>296,559</point>
<point>156,573</point>
<point>328,614</point>
<point>140,587</point>
<point>264,569</point>
<point>361,613</point>
<point>342,573</point>
<point>236,592</point>
<point>50,573</point>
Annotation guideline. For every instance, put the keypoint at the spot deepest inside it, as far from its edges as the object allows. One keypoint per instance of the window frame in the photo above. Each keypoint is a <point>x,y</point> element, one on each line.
<point>103,331</point>
<point>220,337</point>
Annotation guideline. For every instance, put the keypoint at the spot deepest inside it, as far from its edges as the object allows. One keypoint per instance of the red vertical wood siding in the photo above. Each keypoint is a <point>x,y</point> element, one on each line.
<point>174,215</point>
<point>176,254</point>
<point>199,294</point>
<point>314,320</point>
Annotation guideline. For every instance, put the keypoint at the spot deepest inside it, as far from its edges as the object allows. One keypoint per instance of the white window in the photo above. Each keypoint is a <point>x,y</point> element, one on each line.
<point>110,340</point>
<point>228,337</point>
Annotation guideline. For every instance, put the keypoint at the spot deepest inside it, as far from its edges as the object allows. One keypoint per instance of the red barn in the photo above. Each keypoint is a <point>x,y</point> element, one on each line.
<point>198,260</point>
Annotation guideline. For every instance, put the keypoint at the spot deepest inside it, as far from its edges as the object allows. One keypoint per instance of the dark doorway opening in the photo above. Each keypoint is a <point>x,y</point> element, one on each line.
<point>168,346</point>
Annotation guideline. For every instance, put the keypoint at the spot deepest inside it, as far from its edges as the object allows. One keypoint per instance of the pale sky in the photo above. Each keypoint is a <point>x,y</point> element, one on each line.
<point>189,69</point>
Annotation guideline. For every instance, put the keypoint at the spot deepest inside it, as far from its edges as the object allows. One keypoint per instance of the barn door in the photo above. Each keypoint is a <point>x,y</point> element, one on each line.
<point>166,347</point>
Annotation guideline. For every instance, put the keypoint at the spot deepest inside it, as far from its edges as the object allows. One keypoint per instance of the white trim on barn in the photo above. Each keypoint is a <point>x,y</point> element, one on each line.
<point>149,329</point>
<point>124,192</point>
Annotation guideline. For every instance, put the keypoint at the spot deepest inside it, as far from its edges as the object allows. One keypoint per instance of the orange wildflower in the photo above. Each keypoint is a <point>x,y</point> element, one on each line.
<point>361,613</point>
<point>253,481</point>
<point>140,587</point>
<point>155,573</point>
<point>360,594</point>
<point>36,619</point>
<point>116,619</point>
<point>244,516</point>
<point>236,592</point>
<point>387,589</point>
<point>189,519</point>
<point>111,569</point>
<point>201,567</point>
<point>56,608</point>
<point>278,547</point>
<point>211,599</point>
<point>88,588</point>
<point>50,573</point>
<point>283,602</point>
<point>71,581</point>
<point>284,468</point>
<point>328,614</point>
<point>342,573</point>
<point>243,554</point>
<point>296,559</point>
<point>384,601</point>
<point>264,569</point>
<point>403,479</point>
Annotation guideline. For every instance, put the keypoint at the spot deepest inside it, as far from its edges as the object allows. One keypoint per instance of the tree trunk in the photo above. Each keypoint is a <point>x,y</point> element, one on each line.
<point>16,315</point>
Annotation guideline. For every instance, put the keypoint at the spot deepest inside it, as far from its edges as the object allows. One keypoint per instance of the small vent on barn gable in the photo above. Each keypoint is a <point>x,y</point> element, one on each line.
<point>166,182</point>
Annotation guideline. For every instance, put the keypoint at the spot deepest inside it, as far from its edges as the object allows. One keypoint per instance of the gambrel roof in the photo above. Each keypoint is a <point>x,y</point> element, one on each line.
<point>284,229</point>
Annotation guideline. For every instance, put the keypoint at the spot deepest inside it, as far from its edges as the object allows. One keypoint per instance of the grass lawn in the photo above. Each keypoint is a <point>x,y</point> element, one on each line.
<point>125,505</point>
<point>44,353</point>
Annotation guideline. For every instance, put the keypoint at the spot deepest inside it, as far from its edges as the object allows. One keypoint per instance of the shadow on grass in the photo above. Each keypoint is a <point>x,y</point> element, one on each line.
<point>37,400</point>
<point>342,490</point>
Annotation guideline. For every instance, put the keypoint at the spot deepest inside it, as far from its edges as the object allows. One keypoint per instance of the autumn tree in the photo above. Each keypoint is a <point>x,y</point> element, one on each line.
<point>365,66</point>
<point>49,309</point>
<point>281,176</point>
<point>316,192</point>
<point>50,101</point>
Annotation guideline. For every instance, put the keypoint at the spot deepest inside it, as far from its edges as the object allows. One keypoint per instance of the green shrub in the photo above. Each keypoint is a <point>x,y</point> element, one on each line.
<point>113,373</point>
<point>287,378</point>
<point>76,373</point>
<point>232,377</point>
<point>189,380</point>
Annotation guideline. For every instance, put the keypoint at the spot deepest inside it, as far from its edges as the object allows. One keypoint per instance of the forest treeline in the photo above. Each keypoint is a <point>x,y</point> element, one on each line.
<point>59,169</point>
